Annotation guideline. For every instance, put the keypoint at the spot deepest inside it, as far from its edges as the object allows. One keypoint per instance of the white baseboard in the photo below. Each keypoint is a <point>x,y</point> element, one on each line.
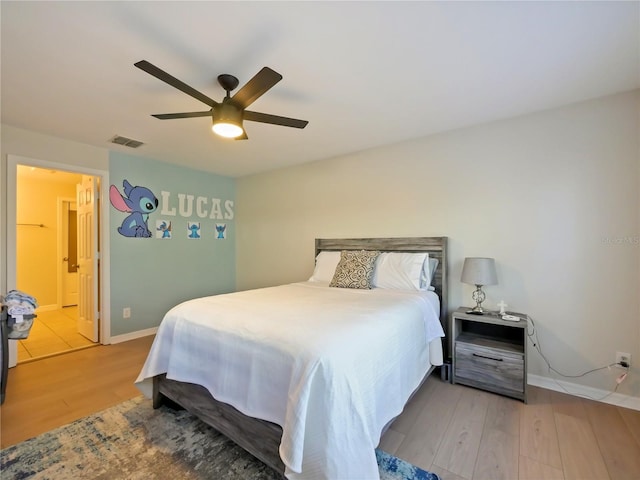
<point>618,399</point>
<point>125,337</point>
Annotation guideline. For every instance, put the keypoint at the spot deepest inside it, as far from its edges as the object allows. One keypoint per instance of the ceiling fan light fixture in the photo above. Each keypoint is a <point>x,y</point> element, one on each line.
<point>227,116</point>
<point>227,120</point>
<point>228,130</point>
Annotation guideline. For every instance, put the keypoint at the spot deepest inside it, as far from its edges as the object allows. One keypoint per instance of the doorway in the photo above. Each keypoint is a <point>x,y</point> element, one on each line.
<point>68,252</point>
<point>43,216</point>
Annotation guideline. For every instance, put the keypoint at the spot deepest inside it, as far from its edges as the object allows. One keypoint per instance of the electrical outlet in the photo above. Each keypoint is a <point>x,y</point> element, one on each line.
<point>623,357</point>
<point>126,312</point>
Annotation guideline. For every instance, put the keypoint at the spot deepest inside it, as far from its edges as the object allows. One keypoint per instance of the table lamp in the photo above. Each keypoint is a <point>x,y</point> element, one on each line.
<point>479,271</point>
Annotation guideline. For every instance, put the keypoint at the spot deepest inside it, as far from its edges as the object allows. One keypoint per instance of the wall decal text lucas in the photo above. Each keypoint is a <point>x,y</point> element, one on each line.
<point>204,207</point>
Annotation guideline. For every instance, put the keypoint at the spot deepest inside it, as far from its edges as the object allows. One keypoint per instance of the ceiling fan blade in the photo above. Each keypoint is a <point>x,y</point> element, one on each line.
<point>257,86</point>
<point>171,116</point>
<point>174,82</point>
<point>274,119</point>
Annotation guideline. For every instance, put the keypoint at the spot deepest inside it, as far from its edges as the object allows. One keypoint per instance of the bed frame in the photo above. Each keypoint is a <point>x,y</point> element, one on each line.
<point>262,438</point>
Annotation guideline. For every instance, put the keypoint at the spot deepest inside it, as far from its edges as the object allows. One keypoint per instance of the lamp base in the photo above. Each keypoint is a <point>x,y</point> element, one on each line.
<point>478,297</point>
<point>476,311</point>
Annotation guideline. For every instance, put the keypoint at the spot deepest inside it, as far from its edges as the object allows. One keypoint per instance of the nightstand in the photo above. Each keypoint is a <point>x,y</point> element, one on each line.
<point>489,353</point>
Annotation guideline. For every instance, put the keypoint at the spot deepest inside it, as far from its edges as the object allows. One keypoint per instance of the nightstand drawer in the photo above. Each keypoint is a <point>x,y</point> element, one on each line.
<point>492,367</point>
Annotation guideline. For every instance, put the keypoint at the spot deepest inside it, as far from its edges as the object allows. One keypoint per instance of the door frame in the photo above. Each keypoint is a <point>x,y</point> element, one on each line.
<point>105,275</point>
<point>60,247</point>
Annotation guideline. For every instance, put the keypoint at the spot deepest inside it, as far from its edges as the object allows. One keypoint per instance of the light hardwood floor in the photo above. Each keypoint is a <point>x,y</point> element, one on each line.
<point>455,431</point>
<point>44,394</point>
<point>463,433</point>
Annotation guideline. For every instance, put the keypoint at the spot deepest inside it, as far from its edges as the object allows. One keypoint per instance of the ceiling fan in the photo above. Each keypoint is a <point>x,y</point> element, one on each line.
<point>229,114</point>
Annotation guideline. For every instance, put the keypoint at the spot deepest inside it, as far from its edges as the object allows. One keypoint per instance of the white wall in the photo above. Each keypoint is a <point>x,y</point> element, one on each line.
<point>553,196</point>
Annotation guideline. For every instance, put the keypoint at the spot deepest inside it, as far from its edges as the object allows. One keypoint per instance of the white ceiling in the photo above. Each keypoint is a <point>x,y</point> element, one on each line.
<point>364,74</point>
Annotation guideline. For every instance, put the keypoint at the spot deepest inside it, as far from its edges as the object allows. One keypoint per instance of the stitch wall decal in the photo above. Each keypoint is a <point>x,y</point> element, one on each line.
<point>139,202</point>
<point>221,228</point>
<point>193,229</point>
<point>163,230</point>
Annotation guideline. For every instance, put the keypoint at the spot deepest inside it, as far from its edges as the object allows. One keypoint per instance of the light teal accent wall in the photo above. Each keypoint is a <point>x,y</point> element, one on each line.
<point>151,275</point>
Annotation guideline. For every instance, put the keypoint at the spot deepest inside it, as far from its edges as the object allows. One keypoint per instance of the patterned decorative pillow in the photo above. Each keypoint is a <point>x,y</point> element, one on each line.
<point>355,269</point>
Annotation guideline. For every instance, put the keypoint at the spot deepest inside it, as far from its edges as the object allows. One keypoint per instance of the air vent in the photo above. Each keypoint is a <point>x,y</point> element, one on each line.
<point>127,142</point>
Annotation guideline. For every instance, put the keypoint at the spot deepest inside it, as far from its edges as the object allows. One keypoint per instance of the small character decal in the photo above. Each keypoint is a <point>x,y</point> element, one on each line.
<point>139,202</point>
<point>194,229</point>
<point>164,230</point>
<point>221,229</point>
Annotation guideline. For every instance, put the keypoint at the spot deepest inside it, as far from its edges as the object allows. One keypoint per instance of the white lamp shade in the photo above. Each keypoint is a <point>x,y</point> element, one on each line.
<point>479,271</point>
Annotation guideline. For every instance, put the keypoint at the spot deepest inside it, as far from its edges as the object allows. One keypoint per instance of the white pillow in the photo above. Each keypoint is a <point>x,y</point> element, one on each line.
<point>399,270</point>
<point>428,270</point>
<point>326,263</point>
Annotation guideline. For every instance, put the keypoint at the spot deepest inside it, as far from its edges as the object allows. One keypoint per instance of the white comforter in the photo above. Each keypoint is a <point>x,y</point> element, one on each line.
<point>331,366</point>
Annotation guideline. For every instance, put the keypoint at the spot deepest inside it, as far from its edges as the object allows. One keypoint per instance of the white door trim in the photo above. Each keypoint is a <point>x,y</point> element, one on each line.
<point>105,275</point>
<point>88,266</point>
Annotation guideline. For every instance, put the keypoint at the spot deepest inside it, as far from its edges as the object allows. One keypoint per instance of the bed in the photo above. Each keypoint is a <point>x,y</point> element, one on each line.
<point>319,389</point>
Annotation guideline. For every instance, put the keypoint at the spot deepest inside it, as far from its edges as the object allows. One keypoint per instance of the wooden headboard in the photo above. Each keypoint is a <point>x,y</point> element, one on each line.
<point>436,247</point>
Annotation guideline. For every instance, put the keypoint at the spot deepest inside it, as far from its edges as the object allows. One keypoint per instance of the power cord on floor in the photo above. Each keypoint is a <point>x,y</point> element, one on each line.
<point>533,338</point>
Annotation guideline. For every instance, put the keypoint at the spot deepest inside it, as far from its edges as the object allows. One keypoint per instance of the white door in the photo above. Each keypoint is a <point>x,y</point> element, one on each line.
<point>87,258</point>
<point>69,238</point>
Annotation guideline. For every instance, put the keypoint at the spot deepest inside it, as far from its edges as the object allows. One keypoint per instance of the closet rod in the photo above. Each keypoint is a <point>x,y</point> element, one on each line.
<point>41,225</point>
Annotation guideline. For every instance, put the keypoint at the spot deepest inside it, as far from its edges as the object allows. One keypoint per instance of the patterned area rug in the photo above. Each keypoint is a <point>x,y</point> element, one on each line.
<point>132,441</point>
